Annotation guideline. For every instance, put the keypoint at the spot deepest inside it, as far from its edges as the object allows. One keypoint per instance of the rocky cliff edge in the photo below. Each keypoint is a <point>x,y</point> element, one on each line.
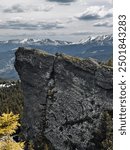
<point>64,97</point>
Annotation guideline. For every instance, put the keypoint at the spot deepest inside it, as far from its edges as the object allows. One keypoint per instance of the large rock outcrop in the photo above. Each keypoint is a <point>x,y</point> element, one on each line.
<point>64,97</point>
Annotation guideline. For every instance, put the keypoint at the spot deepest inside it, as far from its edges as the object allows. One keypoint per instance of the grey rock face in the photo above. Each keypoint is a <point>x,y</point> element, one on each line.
<point>63,98</point>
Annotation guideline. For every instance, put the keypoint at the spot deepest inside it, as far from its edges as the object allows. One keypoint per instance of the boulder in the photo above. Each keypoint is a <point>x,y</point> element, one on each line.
<point>64,97</point>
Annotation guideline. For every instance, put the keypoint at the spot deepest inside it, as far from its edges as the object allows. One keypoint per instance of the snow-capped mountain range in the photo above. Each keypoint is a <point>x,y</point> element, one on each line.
<point>104,39</point>
<point>36,42</point>
<point>100,40</point>
<point>99,47</point>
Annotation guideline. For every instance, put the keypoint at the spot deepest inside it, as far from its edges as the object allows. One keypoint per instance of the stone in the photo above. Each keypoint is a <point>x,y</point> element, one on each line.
<point>64,97</point>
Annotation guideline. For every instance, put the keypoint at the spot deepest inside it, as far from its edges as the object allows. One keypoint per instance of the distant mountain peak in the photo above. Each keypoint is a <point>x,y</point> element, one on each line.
<point>101,39</point>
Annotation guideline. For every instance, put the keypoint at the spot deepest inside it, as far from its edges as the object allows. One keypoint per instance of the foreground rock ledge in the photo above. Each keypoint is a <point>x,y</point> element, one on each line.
<point>63,98</point>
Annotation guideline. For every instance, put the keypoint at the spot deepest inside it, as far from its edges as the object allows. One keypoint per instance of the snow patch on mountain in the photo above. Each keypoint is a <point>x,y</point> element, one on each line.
<point>7,85</point>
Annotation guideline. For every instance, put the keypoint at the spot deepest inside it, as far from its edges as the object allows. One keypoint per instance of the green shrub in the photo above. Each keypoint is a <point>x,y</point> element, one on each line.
<point>103,135</point>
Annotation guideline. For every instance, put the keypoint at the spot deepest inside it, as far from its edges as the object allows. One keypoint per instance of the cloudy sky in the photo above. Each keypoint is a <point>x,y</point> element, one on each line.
<point>70,20</point>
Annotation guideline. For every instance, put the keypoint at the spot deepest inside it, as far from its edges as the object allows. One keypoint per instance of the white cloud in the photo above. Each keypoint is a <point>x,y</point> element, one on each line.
<point>82,33</point>
<point>62,1</point>
<point>103,24</point>
<point>33,16</point>
<point>15,9</point>
<point>110,1</point>
<point>95,13</point>
<point>18,8</point>
<point>44,8</point>
<point>19,23</point>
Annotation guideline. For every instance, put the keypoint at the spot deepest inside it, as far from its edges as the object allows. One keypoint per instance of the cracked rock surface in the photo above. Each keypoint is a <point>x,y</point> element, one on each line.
<point>63,98</point>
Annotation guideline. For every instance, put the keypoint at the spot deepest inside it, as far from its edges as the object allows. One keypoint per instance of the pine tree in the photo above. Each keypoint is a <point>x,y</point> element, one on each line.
<point>103,134</point>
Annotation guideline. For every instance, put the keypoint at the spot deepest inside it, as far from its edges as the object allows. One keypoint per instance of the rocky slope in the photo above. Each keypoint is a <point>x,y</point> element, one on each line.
<point>64,97</point>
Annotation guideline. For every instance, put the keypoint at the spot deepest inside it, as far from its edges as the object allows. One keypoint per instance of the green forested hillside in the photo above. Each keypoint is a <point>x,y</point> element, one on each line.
<point>11,98</point>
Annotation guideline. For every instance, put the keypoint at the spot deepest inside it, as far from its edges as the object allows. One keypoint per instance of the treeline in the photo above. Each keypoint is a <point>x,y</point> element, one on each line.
<point>11,98</point>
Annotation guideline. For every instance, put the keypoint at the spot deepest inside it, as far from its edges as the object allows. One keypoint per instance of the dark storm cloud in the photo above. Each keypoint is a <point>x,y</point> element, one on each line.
<point>103,24</point>
<point>19,25</point>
